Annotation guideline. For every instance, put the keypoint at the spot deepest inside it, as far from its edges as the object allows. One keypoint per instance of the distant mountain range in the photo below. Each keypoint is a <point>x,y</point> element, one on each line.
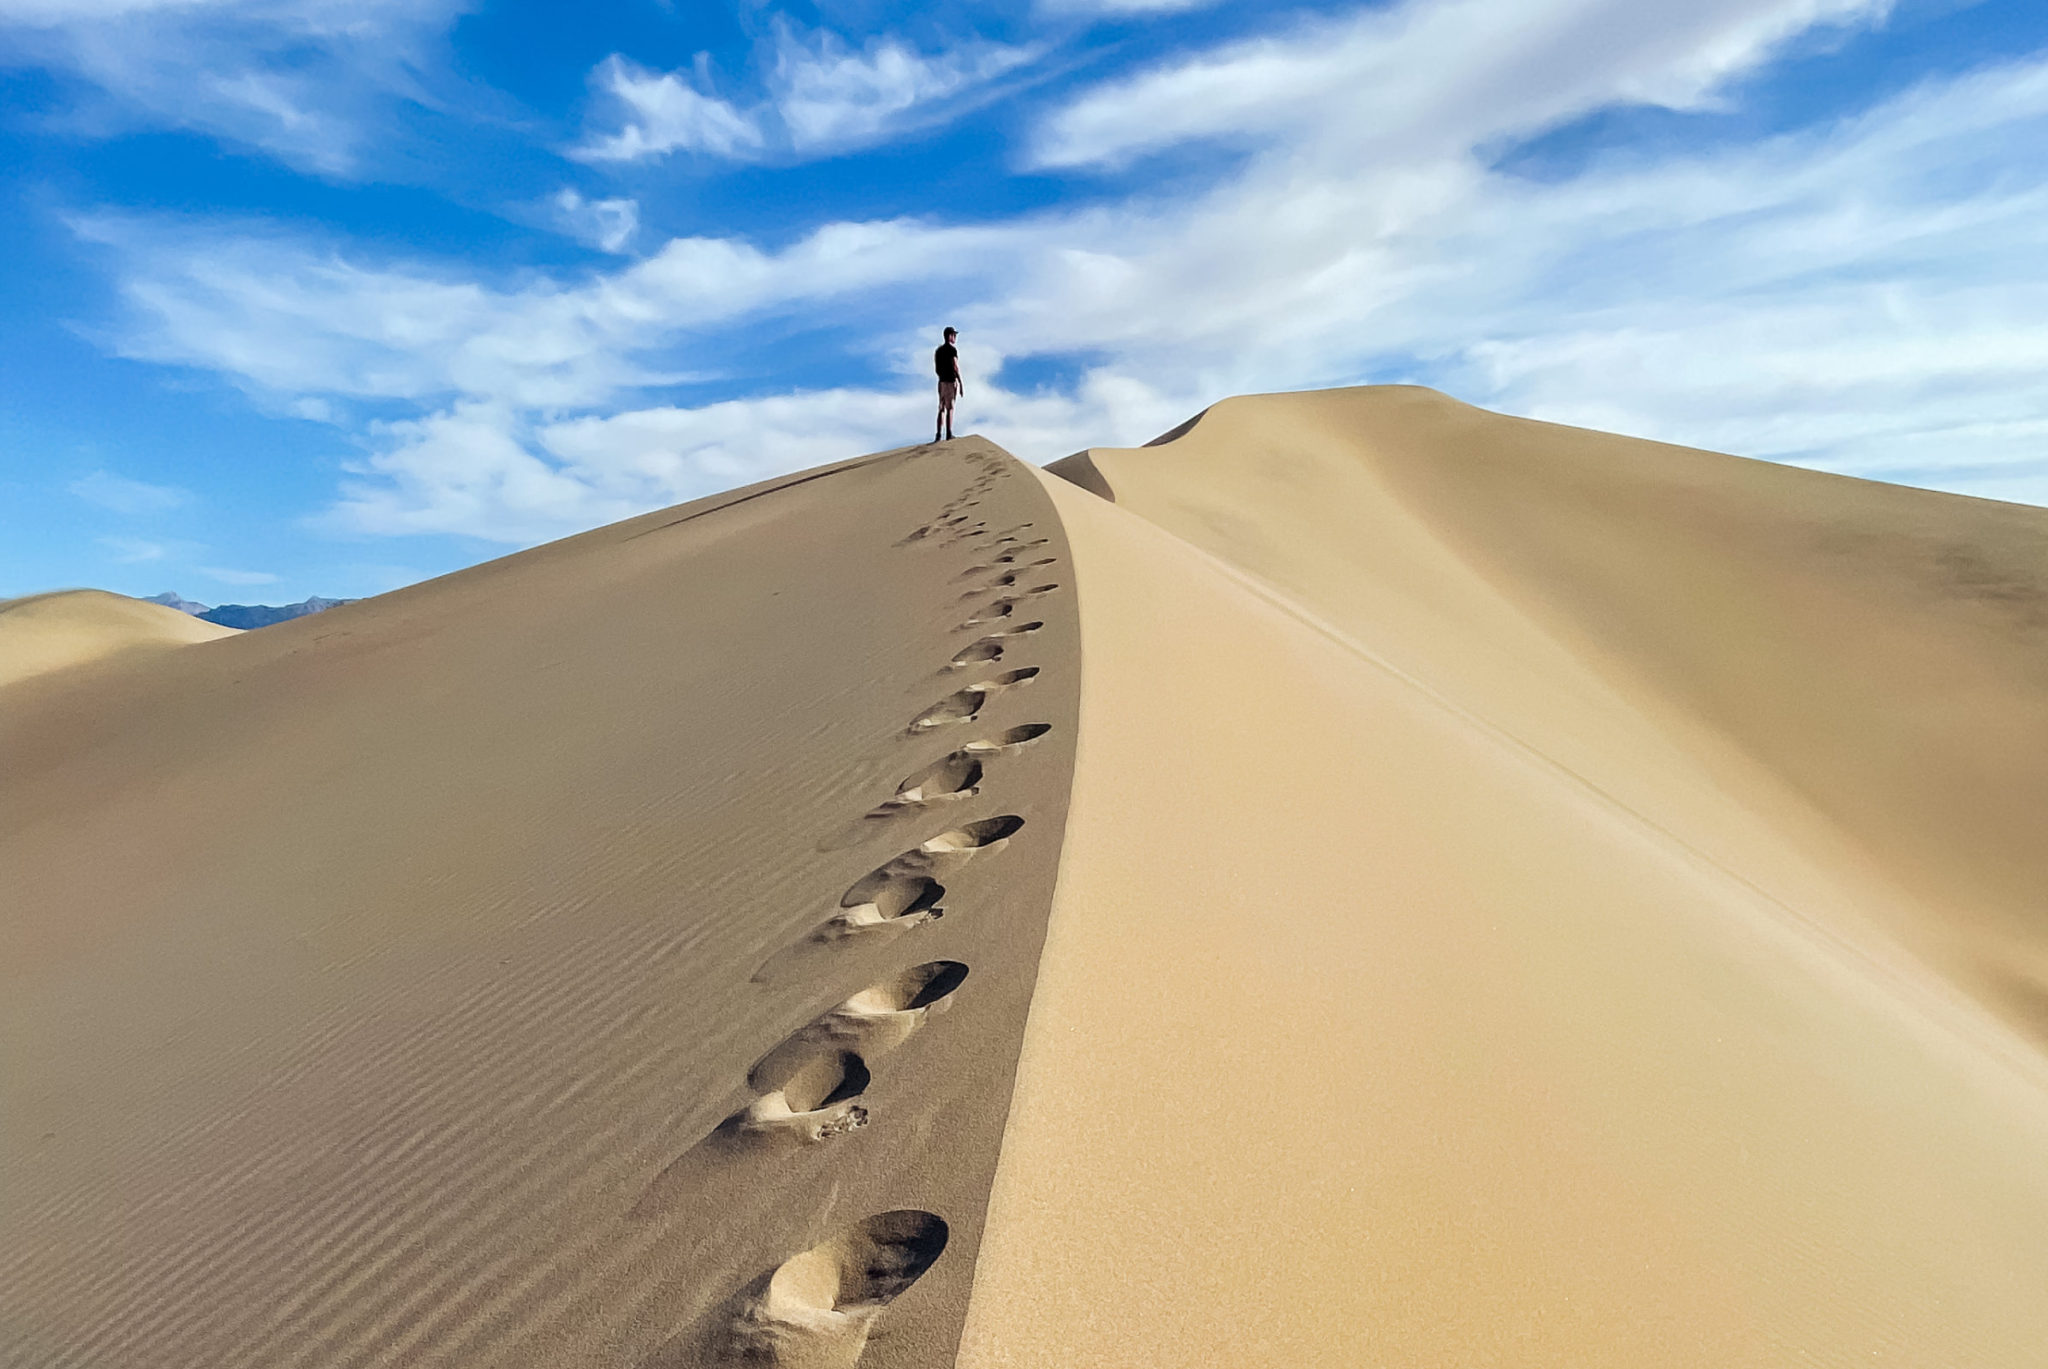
<point>245,615</point>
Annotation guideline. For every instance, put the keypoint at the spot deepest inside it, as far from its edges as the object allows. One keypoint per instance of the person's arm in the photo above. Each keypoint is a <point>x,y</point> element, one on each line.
<point>959,374</point>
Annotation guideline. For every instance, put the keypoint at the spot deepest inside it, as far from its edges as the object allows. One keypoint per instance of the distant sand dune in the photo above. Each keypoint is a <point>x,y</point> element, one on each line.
<point>46,632</point>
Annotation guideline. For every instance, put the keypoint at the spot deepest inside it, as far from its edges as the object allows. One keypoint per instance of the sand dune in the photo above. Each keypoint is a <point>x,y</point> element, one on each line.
<point>46,632</point>
<point>571,961</point>
<point>1470,1005</point>
<point>1363,881</point>
<point>1863,666</point>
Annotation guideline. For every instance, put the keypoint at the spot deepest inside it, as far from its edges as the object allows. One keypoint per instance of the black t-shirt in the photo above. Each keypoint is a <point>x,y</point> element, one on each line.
<point>947,360</point>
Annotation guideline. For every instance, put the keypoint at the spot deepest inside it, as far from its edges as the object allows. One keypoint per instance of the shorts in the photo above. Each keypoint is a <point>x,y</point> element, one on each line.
<point>949,390</point>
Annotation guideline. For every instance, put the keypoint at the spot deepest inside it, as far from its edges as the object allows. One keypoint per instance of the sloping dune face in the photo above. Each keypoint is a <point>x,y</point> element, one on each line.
<point>613,955</point>
<point>1853,661</point>
<point>46,632</point>
<point>1554,900</point>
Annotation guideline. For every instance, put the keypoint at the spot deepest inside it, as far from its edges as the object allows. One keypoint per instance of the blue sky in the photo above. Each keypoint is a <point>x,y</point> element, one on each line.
<point>327,296</point>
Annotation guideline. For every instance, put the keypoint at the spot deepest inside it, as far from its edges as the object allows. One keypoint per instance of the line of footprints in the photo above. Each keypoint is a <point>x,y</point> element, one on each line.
<point>819,1307</point>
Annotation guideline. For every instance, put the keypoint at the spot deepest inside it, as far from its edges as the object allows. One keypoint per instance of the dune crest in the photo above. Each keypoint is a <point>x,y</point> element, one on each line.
<point>44,632</point>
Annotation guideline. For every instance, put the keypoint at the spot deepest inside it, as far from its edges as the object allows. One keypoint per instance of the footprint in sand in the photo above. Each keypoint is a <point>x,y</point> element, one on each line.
<point>888,901</point>
<point>963,704</point>
<point>956,775</point>
<point>948,779</point>
<point>954,708</point>
<point>997,609</point>
<point>1001,582</point>
<point>807,1097</point>
<point>808,1089</point>
<point>874,1021</point>
<point>1018,596</point>
<point>904,893</point>
<point>817,1309</point>
<point>944,852</point>
<point>989,613</point>
<point>977,653</point>
<point>1009,742</point>
<point>892,898</point>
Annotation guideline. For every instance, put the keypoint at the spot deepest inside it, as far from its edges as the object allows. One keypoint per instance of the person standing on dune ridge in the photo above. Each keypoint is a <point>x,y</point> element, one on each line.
<point>947,360</point>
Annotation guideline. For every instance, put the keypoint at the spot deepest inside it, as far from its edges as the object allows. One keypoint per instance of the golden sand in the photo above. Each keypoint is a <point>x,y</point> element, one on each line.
<point>1362,881</point>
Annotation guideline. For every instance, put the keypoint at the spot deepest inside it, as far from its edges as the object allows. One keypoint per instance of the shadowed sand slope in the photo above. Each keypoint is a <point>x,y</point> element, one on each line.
<point>46,632</point>
<point>615,955</point>
<point>1511,954</point>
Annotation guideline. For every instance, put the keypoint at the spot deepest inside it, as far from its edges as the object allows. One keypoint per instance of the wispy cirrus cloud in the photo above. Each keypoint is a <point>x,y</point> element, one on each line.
<point>822,96</point>
<point>1859,294</point>
<point>133,550</point>
<point>1122,8</point>
<point>1425,78</point>
<point>246,579</point>
<point>309,82</point>
<point>119,494</point>
<point>286,315</point>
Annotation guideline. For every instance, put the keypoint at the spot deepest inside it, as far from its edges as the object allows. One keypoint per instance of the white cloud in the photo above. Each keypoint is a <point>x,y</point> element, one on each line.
<point>308,81</point>
<point>133,550</point>
<point>666,112</point>
<point>246,578</point>
<point>468,470</point>
<point>54,13</point>
<point>1430,77</point>
<point>830,96</point>
<point>119,494</point>
<point>291,317</point>
<point>486,472</point>
<point>607,225</point>
<point>1863,296</point>
<point>1122,7</point>
<point>822,96</point>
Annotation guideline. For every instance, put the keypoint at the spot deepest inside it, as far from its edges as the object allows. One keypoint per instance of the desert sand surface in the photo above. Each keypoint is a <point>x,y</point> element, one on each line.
<point>1468,859</point>
<point>1360,881</point>
<point>44,632</point>
<point>615,954</point>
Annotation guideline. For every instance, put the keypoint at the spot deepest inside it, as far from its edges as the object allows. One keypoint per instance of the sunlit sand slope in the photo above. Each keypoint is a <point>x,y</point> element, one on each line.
<point>1435,980</point>
<point>1863,666</point>
<point>46,632</point>
<point>615,955</point>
